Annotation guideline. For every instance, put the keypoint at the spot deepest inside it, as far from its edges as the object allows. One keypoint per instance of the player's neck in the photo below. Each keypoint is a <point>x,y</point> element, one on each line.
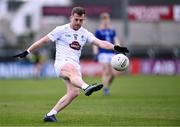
<point>71,26</point>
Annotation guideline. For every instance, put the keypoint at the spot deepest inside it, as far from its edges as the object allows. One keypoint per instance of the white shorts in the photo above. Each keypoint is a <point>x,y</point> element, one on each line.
<point>60,63</point>
<point>105,57</point>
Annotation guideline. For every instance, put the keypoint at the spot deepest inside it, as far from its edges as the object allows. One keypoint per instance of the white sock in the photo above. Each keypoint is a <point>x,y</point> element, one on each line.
<point>52,112</point>
<point>84,86</point>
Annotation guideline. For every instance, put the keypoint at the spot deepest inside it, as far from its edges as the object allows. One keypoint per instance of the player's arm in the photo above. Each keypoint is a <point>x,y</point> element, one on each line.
<point>38,44</point>
<point>34,46</point>
<point>110,46</point>
<point>103,44</point>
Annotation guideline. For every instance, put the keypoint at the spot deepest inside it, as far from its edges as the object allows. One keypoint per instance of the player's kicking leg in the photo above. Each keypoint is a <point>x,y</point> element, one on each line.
<point>69,71</point>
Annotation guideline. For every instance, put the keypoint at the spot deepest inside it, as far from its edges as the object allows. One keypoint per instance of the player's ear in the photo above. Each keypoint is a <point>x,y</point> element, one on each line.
<point>70,18</point>
<point>85,18</point>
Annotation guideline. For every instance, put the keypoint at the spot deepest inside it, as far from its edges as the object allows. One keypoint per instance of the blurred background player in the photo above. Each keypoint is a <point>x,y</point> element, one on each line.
<point>106,32</point>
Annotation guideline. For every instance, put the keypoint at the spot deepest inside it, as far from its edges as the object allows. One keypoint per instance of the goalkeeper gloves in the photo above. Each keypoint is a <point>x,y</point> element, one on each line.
<point>21,55</point>
<point>120,49</point>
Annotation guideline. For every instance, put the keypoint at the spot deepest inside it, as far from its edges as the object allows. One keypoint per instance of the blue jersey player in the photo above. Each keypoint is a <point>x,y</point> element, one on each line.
<point>107,33</point>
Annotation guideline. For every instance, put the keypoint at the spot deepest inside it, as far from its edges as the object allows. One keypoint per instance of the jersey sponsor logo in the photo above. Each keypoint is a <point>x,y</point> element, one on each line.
<point>75,45</point>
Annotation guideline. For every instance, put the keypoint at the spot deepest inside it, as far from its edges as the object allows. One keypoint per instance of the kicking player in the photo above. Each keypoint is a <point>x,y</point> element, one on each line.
<point>69,40</point>
<point>104,56</point>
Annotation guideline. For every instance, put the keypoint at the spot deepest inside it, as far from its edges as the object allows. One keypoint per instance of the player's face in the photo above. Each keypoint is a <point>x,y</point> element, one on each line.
<point>77,21</point>
<point>105,21</point>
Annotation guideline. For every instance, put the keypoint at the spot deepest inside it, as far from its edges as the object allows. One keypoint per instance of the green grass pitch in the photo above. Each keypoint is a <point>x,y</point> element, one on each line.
<point>134,101</point>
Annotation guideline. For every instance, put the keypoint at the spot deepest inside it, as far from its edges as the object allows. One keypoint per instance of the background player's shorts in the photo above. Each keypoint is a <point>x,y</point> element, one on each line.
<point>60,63</point>
<point>105,57</point>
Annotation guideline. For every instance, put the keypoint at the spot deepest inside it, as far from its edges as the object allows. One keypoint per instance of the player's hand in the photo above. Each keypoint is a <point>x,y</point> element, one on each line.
<point>120,49</point>
<point>21,55</point>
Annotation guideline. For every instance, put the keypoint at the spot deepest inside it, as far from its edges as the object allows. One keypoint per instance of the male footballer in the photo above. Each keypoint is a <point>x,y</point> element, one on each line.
<point>69,40</point>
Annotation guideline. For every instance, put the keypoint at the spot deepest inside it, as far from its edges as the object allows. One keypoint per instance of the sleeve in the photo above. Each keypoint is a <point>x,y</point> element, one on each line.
<point>54,34</point>
<point>90,37</point>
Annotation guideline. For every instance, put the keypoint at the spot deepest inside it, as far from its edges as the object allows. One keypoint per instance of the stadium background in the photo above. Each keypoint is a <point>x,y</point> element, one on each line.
<point>146,95</point>
<point>150,29</point>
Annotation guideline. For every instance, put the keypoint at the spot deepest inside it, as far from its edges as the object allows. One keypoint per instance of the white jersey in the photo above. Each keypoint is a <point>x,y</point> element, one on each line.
<point>69,42</point>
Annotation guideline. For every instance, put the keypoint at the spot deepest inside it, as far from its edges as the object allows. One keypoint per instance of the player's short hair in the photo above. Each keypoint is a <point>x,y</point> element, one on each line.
<point>78,10</point>
<point>104,15</point>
